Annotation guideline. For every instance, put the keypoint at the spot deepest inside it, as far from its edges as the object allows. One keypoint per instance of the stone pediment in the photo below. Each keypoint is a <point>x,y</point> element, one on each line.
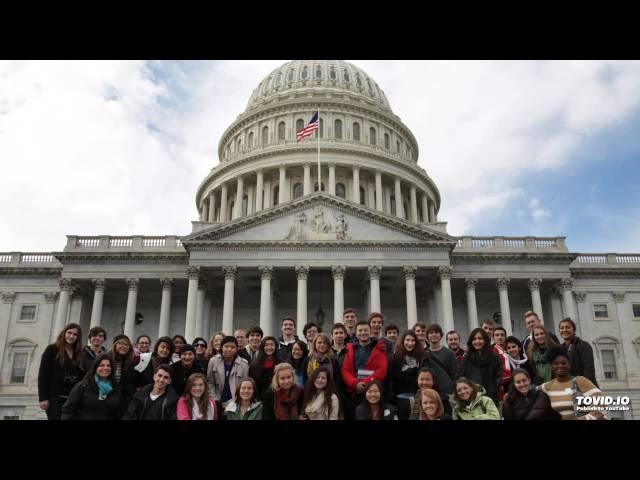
<point>319,218</point>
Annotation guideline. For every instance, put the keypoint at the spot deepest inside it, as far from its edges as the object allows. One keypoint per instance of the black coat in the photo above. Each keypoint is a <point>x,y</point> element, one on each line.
<point>130,380</point>
<point>337,375</point>
<point>444,377</point>
<point>581,359</point>
<point>262,376</point>
<point>404,381</point>
<point>52,375</point>
<point>487,373</point>
<point>180,375</point>
<point>89,357</point>
<point>142,408</point>
<point>83,404</point>
<point>534,406</point>
<point>362,413</point>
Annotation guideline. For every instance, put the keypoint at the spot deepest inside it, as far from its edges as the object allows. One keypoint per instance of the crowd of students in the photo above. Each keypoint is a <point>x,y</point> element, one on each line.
<point>360,370</point>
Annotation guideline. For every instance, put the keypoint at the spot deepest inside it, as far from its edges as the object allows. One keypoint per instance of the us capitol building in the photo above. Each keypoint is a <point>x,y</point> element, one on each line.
<point>273,240</point>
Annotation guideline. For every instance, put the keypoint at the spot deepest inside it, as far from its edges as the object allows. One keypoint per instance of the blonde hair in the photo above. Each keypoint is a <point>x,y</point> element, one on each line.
<point>327,340</point>
<point>278,368</point>
<point>435,398</point>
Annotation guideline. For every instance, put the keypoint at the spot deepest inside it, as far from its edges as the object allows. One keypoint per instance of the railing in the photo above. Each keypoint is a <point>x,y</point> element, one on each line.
<point>17,258</point>
<point>592,259</point>
<point>5,258</point>
<point>121,242</point>
<point>36,258</point>
<point>512,243</point>
<point>135,242</point>
<point>154,242</point>
<point>627,258</point>
<point>482,243</point>
<point>545,243</point>
<point>608,259</point>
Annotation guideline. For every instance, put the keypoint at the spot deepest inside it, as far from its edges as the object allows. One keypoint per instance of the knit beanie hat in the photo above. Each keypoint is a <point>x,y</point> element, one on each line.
<point>120,336</point>
<point>188,348</point>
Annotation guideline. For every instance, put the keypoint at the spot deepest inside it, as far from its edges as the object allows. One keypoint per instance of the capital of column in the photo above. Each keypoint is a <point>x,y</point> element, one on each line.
<point>356,168</point>
<point>332,164</point>
<point>65,284</point>
<point>503,283</point>
<point>193,273</point>
<point>266,272</point>
<point>409,272</point>
<point>166,283</point>
<point>580,296</point>
<point>618,297</point>
<point>50,297</point>
<point>471,283</point>
<point>229,272</point>
<point>338,272</point>
<point>302,271</point>
<point>374,271</point>
<point>566,284</point>
<point>202,283</point>
<point>445,272</point>
<point>306,165</point>
<point>99,283</point>
<point>132,283</point>
<point>534,283</point>
<point>8,297</point>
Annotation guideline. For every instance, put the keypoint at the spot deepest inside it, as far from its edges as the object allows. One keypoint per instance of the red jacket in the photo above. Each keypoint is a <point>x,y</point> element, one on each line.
<point>377,362</point>
<point>506,369</point>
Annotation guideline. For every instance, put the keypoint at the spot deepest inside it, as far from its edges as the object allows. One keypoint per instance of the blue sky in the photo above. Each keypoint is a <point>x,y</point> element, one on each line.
<point>516,148</point>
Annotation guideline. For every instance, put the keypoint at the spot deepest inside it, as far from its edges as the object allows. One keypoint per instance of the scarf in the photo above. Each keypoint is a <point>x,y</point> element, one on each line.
<point>515,363</point>
<point>285,404</point>
<point>480,360</point>
<point>268,363</point>
<point>317,360</point>
<point>543,367</point>
<point>104,387</point>
<point>317,406</point>
<point>197,415</point>
<point>505,357</point>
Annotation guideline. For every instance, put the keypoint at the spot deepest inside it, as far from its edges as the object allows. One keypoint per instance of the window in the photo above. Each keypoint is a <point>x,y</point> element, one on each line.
<point>265,135</point>
<point>362,195</point>
<point>369,87</point>
<point>332,73</point>
<point>405,213</point>
<point>28,313</point>
<point>386,141</point>
<point>251,140</point>
<point>305,72</point>
<point>290,76</point>
<point>609,364</point>
<point>358,81</point>
<point>356,131</point>
<point>318,72</point>
<point>299,124</point>
<point>279,79</point>
<point>636,311</point>
<point>239,144</point>
<point>276,194</point>
<point>341,191</point>
<point>600,311</point>
<point>19,367</point>
<point>346,77</point>
<point>337,128</point>
<point>372,136</point>
<point>245,205</point>
<point>315,187</point>
<point>397,146</point>
<point>298,190</point>
<point>281,131</point>
<point>393,205</point>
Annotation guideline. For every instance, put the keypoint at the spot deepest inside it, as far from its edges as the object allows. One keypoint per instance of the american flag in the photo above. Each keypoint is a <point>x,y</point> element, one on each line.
<point>309,129</point>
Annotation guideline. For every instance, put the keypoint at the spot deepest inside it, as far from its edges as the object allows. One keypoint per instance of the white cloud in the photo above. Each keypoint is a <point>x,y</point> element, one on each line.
<point>121,147</point>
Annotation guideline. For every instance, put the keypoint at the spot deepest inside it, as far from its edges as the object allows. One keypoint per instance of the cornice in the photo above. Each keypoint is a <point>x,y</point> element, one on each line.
<point>37,271</point>
<point>516,257</point>
<point>122,257</point>
<point>606,272</point>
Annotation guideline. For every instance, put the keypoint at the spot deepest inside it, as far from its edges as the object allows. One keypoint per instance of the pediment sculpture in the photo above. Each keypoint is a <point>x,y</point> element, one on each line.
<point>318,228</point>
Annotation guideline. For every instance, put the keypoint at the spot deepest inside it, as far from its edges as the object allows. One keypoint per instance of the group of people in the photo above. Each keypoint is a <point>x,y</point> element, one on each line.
<point>361,370</point>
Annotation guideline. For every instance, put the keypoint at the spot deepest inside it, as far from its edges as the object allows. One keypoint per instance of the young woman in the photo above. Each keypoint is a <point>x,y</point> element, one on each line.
<point>471,403</point>
<point>481,365</point>
<point>538,347</point>
<point>296,359</point>
<point>404,372</point>
<point>430,406</point>
<point>518,359</point>
<point>61,367</point>
<point>196,403</point>
<point>564,388</point>
<point>94,397</point>
<point>246,406</point>
<point>178,342</point>
<point>321,355</point>
<point>215,342</point>
<point>427,378</point>
<point>524,401</point>
<point>161,355</point>
<point>320,398</point>
<point>373,406</point>
<point>499,348</point>
<point>284,400</point>
<point>261,369</point>
<point>200,344</point>
<point>125,377</point>
<point>580,352</point>
<point>310,332</point>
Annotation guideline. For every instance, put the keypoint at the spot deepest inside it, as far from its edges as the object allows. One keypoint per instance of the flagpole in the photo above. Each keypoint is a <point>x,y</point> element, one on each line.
<point>319,178</point>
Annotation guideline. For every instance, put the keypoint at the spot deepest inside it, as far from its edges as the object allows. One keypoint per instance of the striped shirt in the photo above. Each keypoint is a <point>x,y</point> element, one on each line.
<point>561,395</point>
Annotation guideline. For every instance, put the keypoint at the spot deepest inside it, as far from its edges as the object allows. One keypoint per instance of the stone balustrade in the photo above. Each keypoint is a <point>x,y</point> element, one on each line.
<point>510,244</point>
<point>134,242</point>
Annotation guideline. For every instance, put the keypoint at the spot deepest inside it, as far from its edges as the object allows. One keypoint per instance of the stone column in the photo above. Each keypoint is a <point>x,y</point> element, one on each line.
<point>251,202</point>
<point>306,185</point>
<point>437,299</point>
<point>629,363</point>
<point>282,188</point>
<point>338,273</point>
<point>387,199</point>
<point>472,308</point>
<point>425,208</point>
<point>223,203</point>
<point>536,301</point>
<point>332,178</point>
<point>414,204</point>
<point>212,207</point>
<point>130,315</point>
<point>204,211</point>
<point>237,210</point>
<point>47,318</point>
<point>356,184</point>
<point>503,291</point>
<point>5,318</point>
<point>371,194</point>
<point>227,307</point>
<point>267,194</point>
<point>259,188</point>
<point>200,297</point>
<point>412,306</point>
<point>99,285</point>
<point>193,274</point>
<point>432,212</point>
<point>165,307</point>
<point>266,273</point>
<point>63,306</point>
<point>566,286</point>
<point>379,203</point>
<point>302,271</point>
<point>75,310</point>
<point>399,203</point>
<point>374,287</point>
<point>447,304</point>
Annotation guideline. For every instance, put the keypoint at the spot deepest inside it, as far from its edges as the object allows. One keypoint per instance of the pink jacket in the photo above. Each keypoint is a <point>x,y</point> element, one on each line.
<point>184,412</point>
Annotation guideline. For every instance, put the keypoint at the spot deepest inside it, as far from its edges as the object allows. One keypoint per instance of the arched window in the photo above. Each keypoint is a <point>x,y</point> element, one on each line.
<point>356,131</point>
<point>393,205</point>
<point>299,124</point>
<point>239,144</point>
<point>251,140</point>
<point>362,195</point>
<point>321,129</point>
<point>276,194</point>
<point>245,205</point>
<point>19,357</point>
<point>318,72</point>
<point>358,81</point>
<point>298,190</point>
<point>369,87</point>
<point>386,141</point>
<point>372,136</point>
<point>265,135</point>
<point>341,191</point>
<point>337,129</point>
<point>398,146</point>
<point>281,131</point>
<point>305,72</point>
<point>332,73</point>
<point>315,187</point>
<point>608,349</point>
<point>290,76</point>
<point>346,77</point>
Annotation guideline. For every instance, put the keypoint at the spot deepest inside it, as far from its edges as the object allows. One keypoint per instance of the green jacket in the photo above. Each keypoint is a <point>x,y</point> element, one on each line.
<point>481,408</point>
<point>232,412</point>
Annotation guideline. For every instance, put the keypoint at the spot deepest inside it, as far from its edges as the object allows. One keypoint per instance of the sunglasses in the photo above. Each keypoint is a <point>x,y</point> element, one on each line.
<point>203,345</point>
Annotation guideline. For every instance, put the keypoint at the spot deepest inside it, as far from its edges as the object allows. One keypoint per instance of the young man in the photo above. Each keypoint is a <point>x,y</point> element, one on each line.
<point>453,342</point>
<point>532,320</point>
<point>250,351</point>
<point>285,342</point>
<point>241,337</point>
<point>442,357</point>
<point>488,326</point>
<point>310,332</point>
<point>420,330</point>
<point>143,344</point>
<point>184,368</point>
<point>376,321</point>
<point>97,337</point>
<point>349,319</point>
<point>338,336</point>
<point>391,333</point>
<point>157,401</point>
<point>226,371</point>
<point>580,352</point>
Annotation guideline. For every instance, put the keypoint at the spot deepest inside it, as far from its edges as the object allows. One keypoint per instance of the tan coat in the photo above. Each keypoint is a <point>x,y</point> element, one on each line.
<point>215,375</point>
